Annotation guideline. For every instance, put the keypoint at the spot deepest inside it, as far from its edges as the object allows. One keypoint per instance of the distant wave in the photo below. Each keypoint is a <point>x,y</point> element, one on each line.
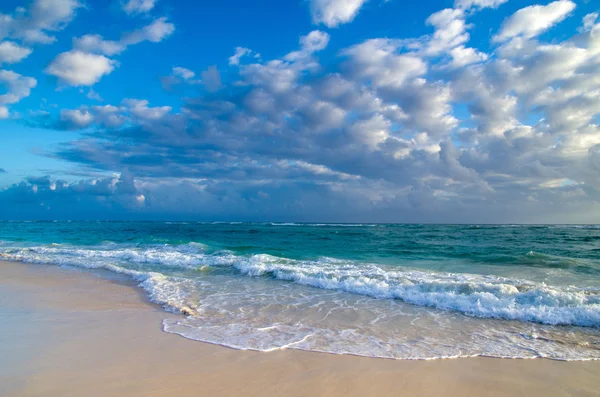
<point>324,224</point>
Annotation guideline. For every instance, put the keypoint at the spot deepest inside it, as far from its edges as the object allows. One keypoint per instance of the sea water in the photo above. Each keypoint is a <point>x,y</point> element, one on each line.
<point>377,290</point>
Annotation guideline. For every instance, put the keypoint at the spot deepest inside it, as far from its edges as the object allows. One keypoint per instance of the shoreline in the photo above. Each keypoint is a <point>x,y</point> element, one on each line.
<point>80,331</point>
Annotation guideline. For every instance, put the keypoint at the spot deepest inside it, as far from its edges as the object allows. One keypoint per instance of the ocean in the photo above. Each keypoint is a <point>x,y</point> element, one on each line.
<point>378,290</point>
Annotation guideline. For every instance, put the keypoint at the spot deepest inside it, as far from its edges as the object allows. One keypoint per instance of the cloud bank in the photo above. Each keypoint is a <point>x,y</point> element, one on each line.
<point>423,129</point>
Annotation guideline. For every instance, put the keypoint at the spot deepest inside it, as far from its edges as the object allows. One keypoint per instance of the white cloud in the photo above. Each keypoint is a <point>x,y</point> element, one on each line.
<point>86,63</point>
<point>12,53</point>
<point>4,114</point>
<point>309,44</point>
<point>379,62</point>
<point>138,6</point>
<point>239,53</point>
<point>450,31</point>
<point>588,21</point>
<point>139,108</point>
<point>109,116</point>
<point>134,111</point>
<point>157,31</point>
<point>333,13</point>
<point>444,17</point>
<point>93,95</point>
<point>6,22</point>
<point>184,73</point>
<point>280,75</point>
<point>314,41</point>
<point>16,85</point>
<point>179,75</point>
<point>371,132</point>
<point>467,4</point>
<point>79,118</point>
<point>450,36</point>
<point>275,75</point>
<point>94,43</point>
<point>531,21</point>
<point>462,56</point>
<point>43,16</point>
<point>78,68</point>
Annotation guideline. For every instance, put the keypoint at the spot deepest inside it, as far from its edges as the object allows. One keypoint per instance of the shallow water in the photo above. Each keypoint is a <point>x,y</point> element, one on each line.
<point>394,291</point>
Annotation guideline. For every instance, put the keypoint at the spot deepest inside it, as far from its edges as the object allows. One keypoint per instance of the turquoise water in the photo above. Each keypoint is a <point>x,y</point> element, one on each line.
<point>393,291</point>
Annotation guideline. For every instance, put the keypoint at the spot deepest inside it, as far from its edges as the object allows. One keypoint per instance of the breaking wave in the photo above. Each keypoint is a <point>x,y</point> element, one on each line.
<point>474,295</point>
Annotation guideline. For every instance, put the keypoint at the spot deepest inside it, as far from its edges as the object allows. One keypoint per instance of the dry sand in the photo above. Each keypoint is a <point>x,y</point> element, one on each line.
<point>69,332</point>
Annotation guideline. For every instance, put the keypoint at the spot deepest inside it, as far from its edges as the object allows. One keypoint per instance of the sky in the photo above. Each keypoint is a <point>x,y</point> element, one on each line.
<point>440,111</point>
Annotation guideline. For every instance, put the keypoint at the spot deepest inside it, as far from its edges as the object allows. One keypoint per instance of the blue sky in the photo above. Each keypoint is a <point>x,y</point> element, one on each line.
<point>332,110</point>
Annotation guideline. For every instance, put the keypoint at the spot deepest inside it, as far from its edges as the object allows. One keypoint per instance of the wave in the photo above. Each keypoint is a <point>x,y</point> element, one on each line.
<point>473,295</point>
<point>470,294</point>
<point>167,291</point>
<point>323,224</point>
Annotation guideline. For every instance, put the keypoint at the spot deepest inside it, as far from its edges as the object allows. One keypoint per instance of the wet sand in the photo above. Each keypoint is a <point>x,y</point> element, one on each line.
<point>71,332</point>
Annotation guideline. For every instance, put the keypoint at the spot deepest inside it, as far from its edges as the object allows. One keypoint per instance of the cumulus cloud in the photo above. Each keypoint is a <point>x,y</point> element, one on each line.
<point>588,21</point>
<point>333,13</point>
<point>35,24</point>
<point>380,62</point>
<point>87,63</point>
<point>179,75</point>
<point>462,56</point>
<point>12,52</point>
<point>239,53</point>
<point>280,75</point>
<point>467,4</point>
<point>93,95</point>
<point>313,42</point>
<point>450,30</point>
<point>94,43</point>
<point>184,73</point>
<point>77,118</point>
<point>139,108</point>
<point>17,87</point>
<point>109,116</point>
<point>137,6</point>
<point>155,32</point>
<point>531,21</point>
<point>131,110</point>
<point>77,68</point>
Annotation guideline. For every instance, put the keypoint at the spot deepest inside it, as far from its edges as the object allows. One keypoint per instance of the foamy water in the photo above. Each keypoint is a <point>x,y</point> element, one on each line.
<point>266,302</point>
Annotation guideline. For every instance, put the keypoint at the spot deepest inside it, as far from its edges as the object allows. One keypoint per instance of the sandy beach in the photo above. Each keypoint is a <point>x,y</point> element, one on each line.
<point>70,332</point>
